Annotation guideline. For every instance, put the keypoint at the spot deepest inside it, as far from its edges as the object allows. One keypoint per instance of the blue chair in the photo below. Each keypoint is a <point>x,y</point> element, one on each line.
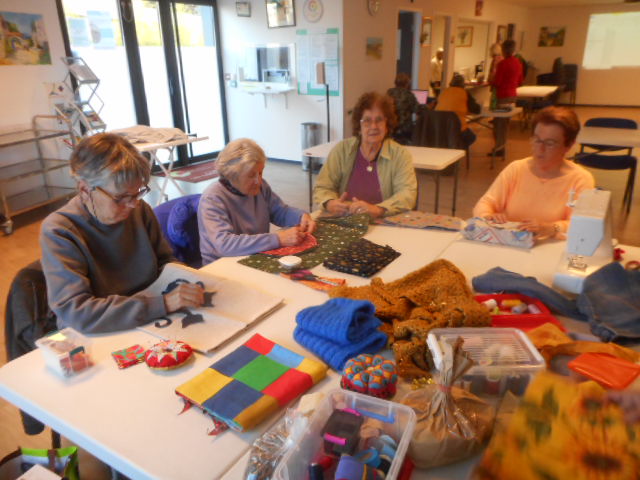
<point>178,219</point>
<point>613,162</point>
<point>609,122</point>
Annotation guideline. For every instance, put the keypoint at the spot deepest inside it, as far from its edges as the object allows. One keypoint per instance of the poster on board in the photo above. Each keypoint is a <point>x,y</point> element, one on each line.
<point>313,48</point>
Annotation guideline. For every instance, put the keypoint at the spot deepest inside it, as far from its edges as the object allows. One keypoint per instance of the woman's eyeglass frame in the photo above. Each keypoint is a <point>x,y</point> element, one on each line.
<point>126,198</point>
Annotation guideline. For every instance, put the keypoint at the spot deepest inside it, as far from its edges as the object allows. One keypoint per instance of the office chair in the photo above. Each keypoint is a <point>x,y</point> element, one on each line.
<point>178,219</point>
<point>613,162</point>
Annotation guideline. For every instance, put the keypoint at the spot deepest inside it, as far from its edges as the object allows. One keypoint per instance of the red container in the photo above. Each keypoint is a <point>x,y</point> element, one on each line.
<point>523,321</point>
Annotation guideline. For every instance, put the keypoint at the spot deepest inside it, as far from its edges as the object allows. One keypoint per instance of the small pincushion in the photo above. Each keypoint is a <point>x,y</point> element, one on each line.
<point>168,354</point>
<point>370,374</point>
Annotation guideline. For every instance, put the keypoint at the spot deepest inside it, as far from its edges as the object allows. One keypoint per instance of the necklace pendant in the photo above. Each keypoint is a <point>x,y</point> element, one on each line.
<point>369,168</point>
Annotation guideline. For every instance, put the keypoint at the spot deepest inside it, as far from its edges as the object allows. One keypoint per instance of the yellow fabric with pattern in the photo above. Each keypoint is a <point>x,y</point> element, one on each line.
<point>203,386</point>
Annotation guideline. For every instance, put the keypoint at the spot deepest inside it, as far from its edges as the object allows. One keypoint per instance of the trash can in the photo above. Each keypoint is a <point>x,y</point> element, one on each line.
<point>310,137</point>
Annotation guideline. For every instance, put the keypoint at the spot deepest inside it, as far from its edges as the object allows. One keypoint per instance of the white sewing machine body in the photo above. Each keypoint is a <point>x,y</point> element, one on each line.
<point>589,245</point>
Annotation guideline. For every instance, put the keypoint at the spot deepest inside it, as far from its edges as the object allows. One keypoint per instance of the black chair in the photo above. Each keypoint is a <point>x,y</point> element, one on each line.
<point>439,129</point>
<point>609,122</point>
<point>27,318</point>
<point>613,162</point>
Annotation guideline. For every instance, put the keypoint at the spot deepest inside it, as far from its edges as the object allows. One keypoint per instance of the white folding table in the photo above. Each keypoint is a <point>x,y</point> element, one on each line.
<point>624,137</point>
<point>488,113</point>
<point>531,93</point>
<point>152,150</point>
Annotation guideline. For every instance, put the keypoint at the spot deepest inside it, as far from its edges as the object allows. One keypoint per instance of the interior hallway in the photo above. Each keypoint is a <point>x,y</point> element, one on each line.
<point>290,182</point>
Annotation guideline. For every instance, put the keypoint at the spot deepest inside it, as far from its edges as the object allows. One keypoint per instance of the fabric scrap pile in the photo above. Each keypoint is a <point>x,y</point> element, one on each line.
<point>435,296</point>
<point>339,329</point>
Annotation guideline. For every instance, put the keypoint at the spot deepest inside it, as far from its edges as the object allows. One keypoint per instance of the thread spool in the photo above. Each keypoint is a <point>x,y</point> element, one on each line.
<point>490,304</point>
<point>533,308</point>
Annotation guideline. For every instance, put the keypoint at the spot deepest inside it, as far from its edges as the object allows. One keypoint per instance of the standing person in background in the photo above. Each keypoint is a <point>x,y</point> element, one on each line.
<point>496,58</point>
<point>436,71</point>
<point>456,99</point>
<point>406,105</point>
<point>507,79</point>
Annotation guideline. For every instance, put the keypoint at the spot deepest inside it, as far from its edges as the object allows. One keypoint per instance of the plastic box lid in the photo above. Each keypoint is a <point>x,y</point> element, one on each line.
<point>295,462</point>
<point>495,350</point>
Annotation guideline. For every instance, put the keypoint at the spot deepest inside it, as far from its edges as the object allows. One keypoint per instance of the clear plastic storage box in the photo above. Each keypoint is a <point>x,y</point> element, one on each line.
<point>506,359</point>
<point>65,351</point>
<point>399,422</point>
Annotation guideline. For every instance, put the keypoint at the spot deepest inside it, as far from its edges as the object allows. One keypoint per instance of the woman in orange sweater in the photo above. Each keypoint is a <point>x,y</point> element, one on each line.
<point>535,190</point>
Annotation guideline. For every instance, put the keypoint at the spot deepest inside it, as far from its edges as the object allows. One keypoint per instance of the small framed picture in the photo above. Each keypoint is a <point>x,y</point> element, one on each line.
<point>243,9</point>
<point>425,36</point>
<point>501,34</point>
<point>464,36</point>
<point>280,13</point>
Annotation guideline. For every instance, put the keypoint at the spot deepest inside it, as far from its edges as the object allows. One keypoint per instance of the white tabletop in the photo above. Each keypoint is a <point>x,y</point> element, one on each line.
<point>424,158</point>
<point>129,418</point>
<point>625,137</point>
<point>536,91</point>
<point>152,147</point>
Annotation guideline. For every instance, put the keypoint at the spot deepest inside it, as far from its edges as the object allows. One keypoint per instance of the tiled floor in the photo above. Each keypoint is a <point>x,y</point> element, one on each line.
<point>290,182</point>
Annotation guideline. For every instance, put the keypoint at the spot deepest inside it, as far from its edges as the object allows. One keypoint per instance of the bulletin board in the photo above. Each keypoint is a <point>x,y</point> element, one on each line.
<point>313,48</point>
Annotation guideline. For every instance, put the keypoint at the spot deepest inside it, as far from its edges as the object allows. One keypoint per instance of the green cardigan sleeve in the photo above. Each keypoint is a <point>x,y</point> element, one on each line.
<point>398,180</point>
<point>334,175</point>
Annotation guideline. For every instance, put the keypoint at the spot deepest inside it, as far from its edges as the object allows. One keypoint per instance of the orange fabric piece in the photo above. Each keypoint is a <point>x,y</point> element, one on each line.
<point>551,341</point>
<point>523,196</point>
<point>608,371</point>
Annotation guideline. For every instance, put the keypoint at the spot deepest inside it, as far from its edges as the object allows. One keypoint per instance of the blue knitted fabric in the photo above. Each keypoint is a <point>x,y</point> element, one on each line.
<point>339,329</point>
<point>340,320</point>
<point>337,354</point>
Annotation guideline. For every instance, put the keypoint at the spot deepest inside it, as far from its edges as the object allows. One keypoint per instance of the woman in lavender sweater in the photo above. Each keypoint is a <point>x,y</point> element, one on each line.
<point>235,212</point>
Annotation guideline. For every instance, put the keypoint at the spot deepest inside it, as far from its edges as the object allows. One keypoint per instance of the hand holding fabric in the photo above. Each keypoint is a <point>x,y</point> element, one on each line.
<point>339,206</point>
<point>185,295</point>
<point>290,237</point>
<point>307,224</point>
<point>360,206</point>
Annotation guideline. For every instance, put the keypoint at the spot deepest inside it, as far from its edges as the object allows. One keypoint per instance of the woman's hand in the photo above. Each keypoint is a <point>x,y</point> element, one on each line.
<point>360,206</point>
<point>338,206</point>
<point>539,230</point>
<point>307,224</point>
<point>497,218</point>
<point>185,295</point>
<point>290,237</point>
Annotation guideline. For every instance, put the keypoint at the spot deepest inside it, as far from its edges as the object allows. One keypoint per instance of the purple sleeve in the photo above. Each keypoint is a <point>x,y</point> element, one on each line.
<point>217,235</point>
<point>280,213</point>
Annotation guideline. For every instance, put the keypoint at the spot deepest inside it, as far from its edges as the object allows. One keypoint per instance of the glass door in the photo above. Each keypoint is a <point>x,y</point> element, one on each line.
<point>159,65</point>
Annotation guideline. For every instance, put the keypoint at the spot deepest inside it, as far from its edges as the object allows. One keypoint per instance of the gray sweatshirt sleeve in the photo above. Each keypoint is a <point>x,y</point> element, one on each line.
<point>70,294</point>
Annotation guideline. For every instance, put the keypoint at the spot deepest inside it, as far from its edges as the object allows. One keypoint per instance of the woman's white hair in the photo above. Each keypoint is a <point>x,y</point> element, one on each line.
<point>238,157</point>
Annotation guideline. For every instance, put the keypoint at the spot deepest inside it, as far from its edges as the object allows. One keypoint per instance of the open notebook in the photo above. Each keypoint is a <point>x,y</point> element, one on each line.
<point>234,307</point>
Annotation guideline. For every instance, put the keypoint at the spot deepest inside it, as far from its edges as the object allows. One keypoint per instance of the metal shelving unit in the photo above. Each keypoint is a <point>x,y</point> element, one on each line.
<point>39,165</point>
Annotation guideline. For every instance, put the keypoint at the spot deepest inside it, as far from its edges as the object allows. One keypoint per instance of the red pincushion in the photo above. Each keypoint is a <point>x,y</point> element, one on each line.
<point>168,354</point>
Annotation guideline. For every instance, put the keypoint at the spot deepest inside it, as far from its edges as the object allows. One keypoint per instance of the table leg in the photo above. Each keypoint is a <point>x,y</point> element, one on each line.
<point>437,191</point>
<point>455,187</point>
<point>167,174</point>
<point>310,171</point>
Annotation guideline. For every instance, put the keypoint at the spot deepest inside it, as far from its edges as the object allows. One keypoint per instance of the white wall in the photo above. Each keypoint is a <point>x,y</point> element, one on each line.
<point>275,127</point>
<point>362,74</point>
<point>617,86</point>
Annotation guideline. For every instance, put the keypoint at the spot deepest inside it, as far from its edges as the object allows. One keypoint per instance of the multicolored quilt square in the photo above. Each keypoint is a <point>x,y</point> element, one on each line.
<point>252,382</point>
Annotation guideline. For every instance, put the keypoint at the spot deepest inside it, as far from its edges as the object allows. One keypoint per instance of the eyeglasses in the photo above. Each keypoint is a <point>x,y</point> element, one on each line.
<point>367,122</point>
<point>124,199</point>
<point>549,143</point>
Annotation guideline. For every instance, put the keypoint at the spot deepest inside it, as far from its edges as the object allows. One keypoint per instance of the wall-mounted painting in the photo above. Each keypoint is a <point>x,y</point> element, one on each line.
<point>551,36</point>
<point>243,9</point>
<point>464,36</point>
<point>23,40</point>
<point>425,36</point>
<point>374,48</point>
<point>501,34</point>
<point>280,13</point>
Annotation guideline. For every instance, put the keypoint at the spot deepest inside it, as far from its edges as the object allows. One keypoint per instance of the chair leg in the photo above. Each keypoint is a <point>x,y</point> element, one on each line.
<point>628,191</point>
<point>468,157</point>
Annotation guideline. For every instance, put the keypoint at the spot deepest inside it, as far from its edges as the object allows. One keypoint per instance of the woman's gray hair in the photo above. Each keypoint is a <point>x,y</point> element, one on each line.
<point>238,157</point>
<point>107,156</point>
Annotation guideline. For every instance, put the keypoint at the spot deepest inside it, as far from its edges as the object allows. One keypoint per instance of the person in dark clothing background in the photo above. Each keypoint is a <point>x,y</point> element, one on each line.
<point>406,105</point>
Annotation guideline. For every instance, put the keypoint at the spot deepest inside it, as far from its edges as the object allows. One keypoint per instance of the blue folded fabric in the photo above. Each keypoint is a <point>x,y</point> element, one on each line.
<point>339,329</point>
<point>340,320</point>
<point>500,280</point>
<point>336,354</point>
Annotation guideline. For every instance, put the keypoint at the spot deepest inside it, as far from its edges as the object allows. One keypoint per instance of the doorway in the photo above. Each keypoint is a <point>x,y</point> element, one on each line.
<point>408,45</point>
<point>159,64</point>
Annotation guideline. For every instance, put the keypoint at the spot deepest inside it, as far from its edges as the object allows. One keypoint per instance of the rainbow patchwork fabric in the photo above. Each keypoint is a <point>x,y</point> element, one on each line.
<point>252,382</point>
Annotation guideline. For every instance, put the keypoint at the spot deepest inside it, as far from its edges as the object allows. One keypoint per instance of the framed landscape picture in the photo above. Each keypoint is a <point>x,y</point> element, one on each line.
<point>551,36</point>
<point>243,9</point>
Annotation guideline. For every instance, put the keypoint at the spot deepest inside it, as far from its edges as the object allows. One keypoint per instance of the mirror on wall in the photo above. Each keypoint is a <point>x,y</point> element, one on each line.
<point>271,63</point>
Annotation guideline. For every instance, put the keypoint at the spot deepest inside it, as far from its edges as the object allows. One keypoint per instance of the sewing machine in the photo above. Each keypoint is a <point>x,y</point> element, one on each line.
<point>589,244</point>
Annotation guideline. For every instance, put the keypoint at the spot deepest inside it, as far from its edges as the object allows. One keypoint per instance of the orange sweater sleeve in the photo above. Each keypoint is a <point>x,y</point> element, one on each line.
<point>495,198</point>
